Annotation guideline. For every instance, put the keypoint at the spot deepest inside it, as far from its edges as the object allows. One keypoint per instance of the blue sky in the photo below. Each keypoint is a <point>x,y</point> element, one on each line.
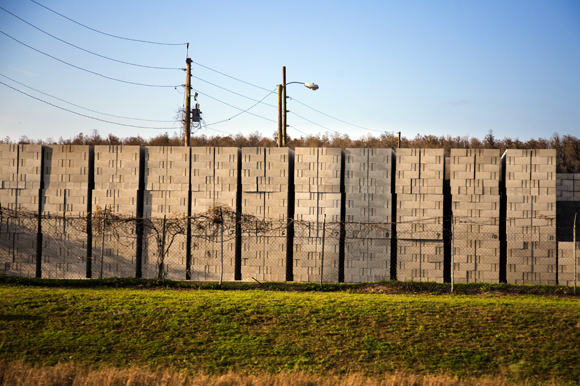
<point>430,67</point>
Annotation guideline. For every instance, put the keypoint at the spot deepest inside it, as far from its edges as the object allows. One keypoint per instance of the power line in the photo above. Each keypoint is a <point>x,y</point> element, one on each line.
<point>340,120</point>
<point>81,107</point>
<point>83,69</point>
<point>237,108</point>
<point>265,89</point>
<point>169,68</point>
<point>107,34</point>
<point>211,128</point>
<point>297,130</point>
<point>314,123</point>
<point>88,116</point>
<point>243,111</point>
<point>238,94</point>
<point>228,76</point>
<point>90,52</point>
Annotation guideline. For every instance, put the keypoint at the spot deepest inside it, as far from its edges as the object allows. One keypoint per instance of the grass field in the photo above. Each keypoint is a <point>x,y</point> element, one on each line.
<point>215,332</point>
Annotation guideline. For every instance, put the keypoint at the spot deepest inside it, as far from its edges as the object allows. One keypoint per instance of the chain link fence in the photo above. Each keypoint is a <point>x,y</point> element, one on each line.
<point>222,245</point>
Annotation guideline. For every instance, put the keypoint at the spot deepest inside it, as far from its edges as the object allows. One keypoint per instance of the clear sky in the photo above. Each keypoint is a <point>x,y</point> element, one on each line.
<point>446,67</point>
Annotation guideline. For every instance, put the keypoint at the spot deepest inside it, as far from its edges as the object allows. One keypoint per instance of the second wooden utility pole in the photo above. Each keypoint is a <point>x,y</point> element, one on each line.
<point>280,115</point>
<point>188,103</point>
<point>282,110</point>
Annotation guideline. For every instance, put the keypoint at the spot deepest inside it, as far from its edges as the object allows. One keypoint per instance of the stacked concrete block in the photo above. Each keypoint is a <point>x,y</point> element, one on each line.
<point>65,196</point>
<point>568,187</point>
<point>214,184</point>
<point>567,205</point>
<point>18,226</point>
<point>66,179</point>
<point>530,185</point>
<point>166,180</point>
<point>420,260</point>
<point>17,250</point>
<point>566,266</point>
<point>9,176</point>
<point>116,188</point>
<point>367,182</point>
<point>19,189</point>
<point>117,170</point>
<point>318,193</point>
<point>419,187</point>
<point>567,209</point>
<point>20,176</point>
<point>475,176</point>
<point>29,177</point>
<point>265,208</point>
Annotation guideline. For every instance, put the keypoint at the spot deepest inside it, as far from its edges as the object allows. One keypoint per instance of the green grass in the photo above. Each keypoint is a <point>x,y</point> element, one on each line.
<point>215,331</point>
<point>392,287</point>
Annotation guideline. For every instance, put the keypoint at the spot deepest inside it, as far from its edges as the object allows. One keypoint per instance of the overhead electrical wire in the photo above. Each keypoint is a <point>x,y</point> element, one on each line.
<point>81,107</point>
<point>211,128</point>
<point>83,69</point>
<point>238,94</point>
<point>229,76</point>
<point>168,68</point>
<point>265,89</point>
<point>340,120</point>
<point>107,34</point>
<point>242,112</point>
<point>314,123</point>
<point>297,130</point>
<point>237,108</point>
<point>90,52</point>
<point>87,116</point>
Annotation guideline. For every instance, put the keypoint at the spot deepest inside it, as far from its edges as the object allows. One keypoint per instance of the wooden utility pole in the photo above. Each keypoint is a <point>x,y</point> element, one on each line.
<point>280,104</point>
<point>188,103</point>
<point>284,111</point>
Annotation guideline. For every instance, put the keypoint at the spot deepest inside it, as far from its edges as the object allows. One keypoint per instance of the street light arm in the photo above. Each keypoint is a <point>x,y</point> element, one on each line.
<point>312,86</point>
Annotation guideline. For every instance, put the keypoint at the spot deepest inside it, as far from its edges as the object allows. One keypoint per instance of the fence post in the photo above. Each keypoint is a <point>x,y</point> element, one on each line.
<point>188,244</point>
<point>322,259</point>
<point>222,253</point>
<point>89,266</point>
<point>39,246</point>
<point>103,243</point>
<point>452,254</point>
<point>162,265</point>
<point>575,261</point>
<point>139,228</point>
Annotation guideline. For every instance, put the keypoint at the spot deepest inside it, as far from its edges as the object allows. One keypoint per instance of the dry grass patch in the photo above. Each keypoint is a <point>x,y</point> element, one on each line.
<point>70,374</point>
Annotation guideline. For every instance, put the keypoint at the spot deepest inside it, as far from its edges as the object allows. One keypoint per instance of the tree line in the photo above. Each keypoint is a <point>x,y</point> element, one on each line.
<point>567,146</point>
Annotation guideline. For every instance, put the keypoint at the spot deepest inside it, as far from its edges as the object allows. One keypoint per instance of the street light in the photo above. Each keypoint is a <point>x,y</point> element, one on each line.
<point>282,117</point>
